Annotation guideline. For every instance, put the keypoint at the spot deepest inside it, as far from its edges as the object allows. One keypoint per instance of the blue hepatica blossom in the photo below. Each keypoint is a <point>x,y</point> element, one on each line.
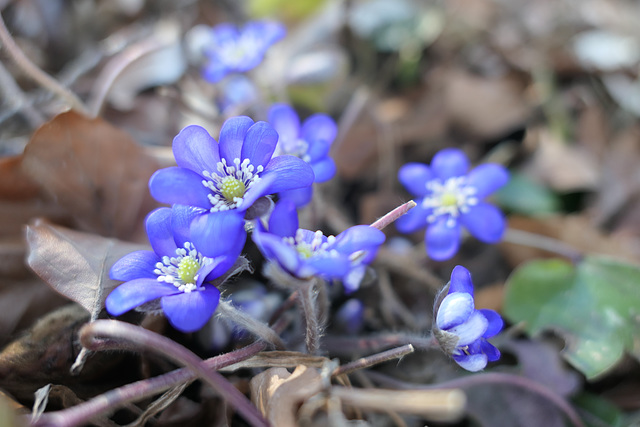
<point>305,254</point>
<point>232,49</point>
<point>460,329</point>
<point>448,197</point>
<point>175,272</point>
<point>310,141</point>
<point>223,180</point>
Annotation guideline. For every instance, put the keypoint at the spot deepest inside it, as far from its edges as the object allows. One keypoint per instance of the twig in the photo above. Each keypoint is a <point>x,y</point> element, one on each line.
<point>36,73</point>
<point>17,99</point>
<point>366,362</point>
<point>113,334</point>
<point>257,328</point>
<point>488,378</point>
<point>525,238</point>
<point>393,215</point>
<point>350,345</point>
<point>83,413</point>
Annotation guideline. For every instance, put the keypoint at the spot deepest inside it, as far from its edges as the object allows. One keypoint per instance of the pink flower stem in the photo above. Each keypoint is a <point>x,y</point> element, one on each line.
<point>393,215</point>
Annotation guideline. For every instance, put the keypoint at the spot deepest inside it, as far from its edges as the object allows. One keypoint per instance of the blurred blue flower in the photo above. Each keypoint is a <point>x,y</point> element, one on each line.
<point>448,198</point>
<point>305,254</point>
<point>221,181</point>
<point>460,329</point>
<point>175,272</point>
<point>310,141</point>
<point>349,317</point>
<point>231,49</point>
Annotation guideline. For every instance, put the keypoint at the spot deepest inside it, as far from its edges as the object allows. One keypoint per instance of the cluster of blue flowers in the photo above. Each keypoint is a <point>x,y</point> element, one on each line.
<point>220,189</point>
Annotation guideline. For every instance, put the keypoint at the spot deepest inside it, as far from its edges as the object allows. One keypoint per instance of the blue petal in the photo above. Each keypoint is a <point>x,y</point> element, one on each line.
<point>274,249</point>
<point>324,170</point>
<point>158,224</point>
<point>284,219</point>
<point>326,266</point>
<point>487,348</point>
<point>485,222</point>
<point>461,280</point>
<point>487,178</point>
<point>449,162</point>
<point>472,363</point>
<point>219,234</point>
<point>136,265</point>
<point>495,322</point>
<point>180,186</point>
<point>300,196</point>
<point>285,121</point>
<point>214,70</point>
<point>317,150</point>
<point>190,311</point>
<point>181,218</point>
<point>359,237</point>
<point>217,268</point>
<point>319,127</point>
<point>413,220</point>
<point>232,137</point>
<point>455,309</point>
<point>222,34</point>
<point>351,281</point>
<point>257,190</point>
<point>472,329</point>
<point>196,150</point>
<point>414,176</point>
<point>259,144</point>
<point>441,240</point>
<point>289,172</point>
<point>350,316</point>
<point>136,292</point>
<point>268,32</point>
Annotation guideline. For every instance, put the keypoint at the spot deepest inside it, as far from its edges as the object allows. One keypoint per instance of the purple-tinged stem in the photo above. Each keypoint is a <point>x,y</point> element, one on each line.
<point>393,215</point>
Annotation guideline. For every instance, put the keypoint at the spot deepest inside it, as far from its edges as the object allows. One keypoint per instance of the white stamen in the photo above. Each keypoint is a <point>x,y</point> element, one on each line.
<point>169,270</point>
<point>244,172</point>
<point>452,199</point>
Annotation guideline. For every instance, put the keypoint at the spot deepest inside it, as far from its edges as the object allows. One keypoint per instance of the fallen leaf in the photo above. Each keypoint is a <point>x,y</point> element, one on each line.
<point>94,171</point>
<point>277,392</point>
<point>75,264</point>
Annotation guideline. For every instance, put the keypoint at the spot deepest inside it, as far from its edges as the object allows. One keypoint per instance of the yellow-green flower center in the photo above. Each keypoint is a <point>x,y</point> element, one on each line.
<point>232,188</point>
<point>187,269</point>
<point>304,250</point>
<point>448,199</point>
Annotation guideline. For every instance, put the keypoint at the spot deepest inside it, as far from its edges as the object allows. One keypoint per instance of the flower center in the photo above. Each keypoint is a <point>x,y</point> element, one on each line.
<point>319,246</point>
<point>451,198</point>
<point>229,183</point>
<point>295,147</point>
<point>182,270</point>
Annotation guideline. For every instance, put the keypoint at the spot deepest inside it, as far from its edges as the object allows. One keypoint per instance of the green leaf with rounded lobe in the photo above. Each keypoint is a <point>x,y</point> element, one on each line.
<point>594,305</point>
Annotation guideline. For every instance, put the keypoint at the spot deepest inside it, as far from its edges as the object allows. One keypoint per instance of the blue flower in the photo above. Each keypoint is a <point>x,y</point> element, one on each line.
<point>449,198</point>
<point>231,49</point>
<point>305,254</point>
<point>175,272</point>
<point>460,329</point>
<point>223,180</point>
<point>310,142</point>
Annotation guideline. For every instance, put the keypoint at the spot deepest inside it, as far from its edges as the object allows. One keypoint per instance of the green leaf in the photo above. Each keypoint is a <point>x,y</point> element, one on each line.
<point>600,411</point>
<point>524,196</point>
<point>594,305</point>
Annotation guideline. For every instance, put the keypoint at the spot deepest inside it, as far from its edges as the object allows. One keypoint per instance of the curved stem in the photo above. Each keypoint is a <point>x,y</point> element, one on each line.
<point>257,328</point>
<point>36,73</point>
<point>491,378</point>
<point>114,334</point>
<point>83,413</point>
<point>533,240</point>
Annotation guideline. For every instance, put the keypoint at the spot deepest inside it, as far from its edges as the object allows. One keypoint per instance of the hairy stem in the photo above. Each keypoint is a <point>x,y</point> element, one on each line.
<point>307,296</point>
<point>113,334</point>
<point>36,73</point>
<point>350,345</point>
<point>367,362</point>
<point>257,328</point>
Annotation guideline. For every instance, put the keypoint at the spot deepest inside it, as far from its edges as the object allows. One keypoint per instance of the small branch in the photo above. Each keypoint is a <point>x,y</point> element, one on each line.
<point>36,73</point>
<point>484,379</point>
<point>525,238</point>
<point>257,328</point>
<point>17,100</point>
<point>351,345</point>
<point>110,334</point>
<point>366,362</point>
<point>393,215</point>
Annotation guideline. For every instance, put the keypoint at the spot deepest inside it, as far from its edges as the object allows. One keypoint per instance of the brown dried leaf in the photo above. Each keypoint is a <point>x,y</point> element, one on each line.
<point>278,393</point>
<point>94,171</point>
<point>75,264</point>
<point>14,183</point>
